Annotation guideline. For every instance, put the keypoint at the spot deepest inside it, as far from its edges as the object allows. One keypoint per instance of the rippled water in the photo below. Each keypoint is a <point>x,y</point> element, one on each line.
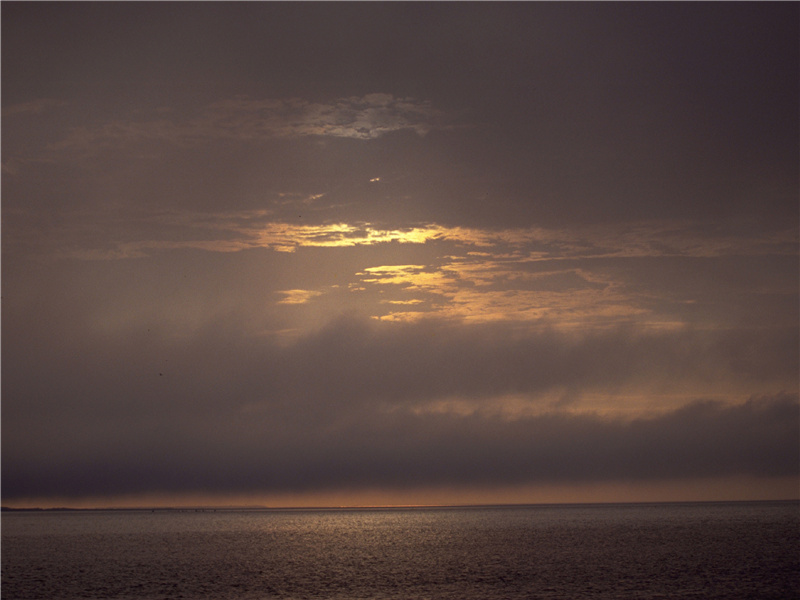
<point>732,550</point>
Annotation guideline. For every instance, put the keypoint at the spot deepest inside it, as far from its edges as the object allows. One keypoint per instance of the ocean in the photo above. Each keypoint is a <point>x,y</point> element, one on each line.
<point>604,551</point>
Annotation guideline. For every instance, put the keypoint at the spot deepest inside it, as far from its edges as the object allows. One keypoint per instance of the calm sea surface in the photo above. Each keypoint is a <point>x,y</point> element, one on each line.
<point>707,550</point>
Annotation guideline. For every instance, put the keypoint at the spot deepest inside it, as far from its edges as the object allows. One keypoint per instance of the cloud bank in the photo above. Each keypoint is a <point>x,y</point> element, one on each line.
<point>359,406</point>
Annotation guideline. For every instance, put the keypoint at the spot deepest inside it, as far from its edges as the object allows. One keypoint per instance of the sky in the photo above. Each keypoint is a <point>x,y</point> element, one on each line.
<point>302,254</point>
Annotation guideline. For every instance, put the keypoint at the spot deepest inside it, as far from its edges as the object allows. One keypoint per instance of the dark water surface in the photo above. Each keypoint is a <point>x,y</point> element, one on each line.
<point>705,550</point>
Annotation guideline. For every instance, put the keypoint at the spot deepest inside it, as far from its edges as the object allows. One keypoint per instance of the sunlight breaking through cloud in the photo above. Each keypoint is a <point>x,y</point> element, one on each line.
<point>297,296</point>
<point>240,230</point>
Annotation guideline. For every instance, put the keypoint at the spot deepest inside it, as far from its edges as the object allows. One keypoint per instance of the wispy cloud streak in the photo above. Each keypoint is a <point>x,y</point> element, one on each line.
<point>249,120</point>
<point>232,230</point>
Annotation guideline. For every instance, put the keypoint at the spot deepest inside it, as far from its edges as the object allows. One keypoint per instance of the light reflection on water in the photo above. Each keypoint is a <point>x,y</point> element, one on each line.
<point>594,551</point>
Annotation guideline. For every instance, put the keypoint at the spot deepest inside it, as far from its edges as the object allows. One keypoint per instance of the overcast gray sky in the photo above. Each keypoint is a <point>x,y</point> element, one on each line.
<point>363,253</point>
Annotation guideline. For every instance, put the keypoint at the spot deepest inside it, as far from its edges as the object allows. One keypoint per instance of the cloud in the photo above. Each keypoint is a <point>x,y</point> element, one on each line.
<point>548,270</point>
<point>366,117</point>
<point>587,277</point>
<point>259,229</point>
<point>252,454</point>
<point>297,296</point>
<point>32,107</point>
<point>249,120</point>
<point>363,404</point>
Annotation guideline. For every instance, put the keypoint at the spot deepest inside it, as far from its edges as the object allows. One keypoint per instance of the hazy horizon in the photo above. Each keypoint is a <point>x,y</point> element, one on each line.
<point>289,507</point>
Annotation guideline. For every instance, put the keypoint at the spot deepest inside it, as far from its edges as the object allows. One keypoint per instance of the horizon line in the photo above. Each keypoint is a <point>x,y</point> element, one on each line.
<point>206,508</point>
